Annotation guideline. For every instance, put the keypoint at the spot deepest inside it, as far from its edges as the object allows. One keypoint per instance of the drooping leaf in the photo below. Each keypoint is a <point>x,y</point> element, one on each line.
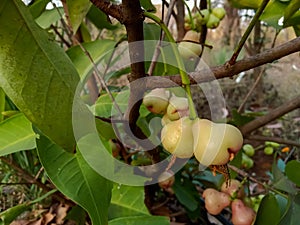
<point>38,7</point>
<point>291,217</point>
<point>49,17</point>
<point>77,12</point>
<point>268,206</point>
<point>99,19</point>
<point>98,50</point>
<point>186,194</point>
<point>281,182</point>
<point>73,176</point>
<point>16,134</point>
<point>291,9</point>
<point>147,5</point>
<point>292,171</point>
<point>127,201</point>
<point>36,74</point>
<point>105,129</point>
<point>273,12</point>
<point>138,220</point>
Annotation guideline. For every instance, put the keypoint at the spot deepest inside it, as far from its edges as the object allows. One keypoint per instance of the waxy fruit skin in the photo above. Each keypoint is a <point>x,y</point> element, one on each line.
<point>215,201</point>
<point>214,143</point>
<point>157,100</point>
<point>177,137</point>
<point>241,214</point>
<point>178,107</point>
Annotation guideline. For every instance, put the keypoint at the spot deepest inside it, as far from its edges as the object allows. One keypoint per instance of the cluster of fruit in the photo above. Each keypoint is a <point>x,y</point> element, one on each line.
<point>211,143</point>
<point>229,196</point>
<point>249,151</point>
<point>210,18</point>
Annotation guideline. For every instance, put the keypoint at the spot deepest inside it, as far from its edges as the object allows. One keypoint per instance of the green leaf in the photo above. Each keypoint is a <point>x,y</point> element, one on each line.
<point>291,216</point>
<point>281,182</point>
<point>77,12</point>
<point>98,50</point>
<point>240,119</point>
<point>104,107</point>
<point>49,17</point>
<point>147,5</point>
<point>138,220</point>
<point>71,174</point>
<point>36,74</point>
<point>291,9</point>
<point>127,201</point>
<point>292,171</point>
<point>105,129</point>
<point>38,7</point>
<point>99,19</point>
<point>77,214</point>
<point>2,103</point>
<point>273,12</point>
<point>186,193</point>
<point>268,206</point>
<point>16,134</point>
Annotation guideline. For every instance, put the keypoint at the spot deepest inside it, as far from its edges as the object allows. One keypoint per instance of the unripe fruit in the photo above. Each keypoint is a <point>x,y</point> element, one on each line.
<point>204,13</point>
<point>215,143</point>
<point>241,214</point>
<point>157,100</point>
<point>247,162</point>
<point>213,21</point>
<point>268,150</point>
<point>177,137</point>
<point>166,179</point>
<point>233,189</point>
<point>272,144</point>
<point>219,12</point>
<point>187,48</point>
<point>178,107</point>
<point>249,150</point>
<point>215,201</point>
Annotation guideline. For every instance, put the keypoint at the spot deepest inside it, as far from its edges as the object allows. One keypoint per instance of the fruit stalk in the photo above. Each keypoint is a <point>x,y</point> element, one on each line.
<point>184,76</point>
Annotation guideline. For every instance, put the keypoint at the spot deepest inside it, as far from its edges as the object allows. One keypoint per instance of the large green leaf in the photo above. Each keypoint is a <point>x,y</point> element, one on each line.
<point>138,220</point>
<point>38,7</point>
<point>76,179</point>
<point>98,50</point>
<point>99,19</point>
<point>127,201</point>
<point>291,9</point>
<point>36,73</point>
<point>291,216</point>
<point>49,17</point>
<point>281,182</point>
<point>292,171</point>
<point>16,134</point>
<point>77,12</point>
<point>2,103</point>
<point>267,206</point>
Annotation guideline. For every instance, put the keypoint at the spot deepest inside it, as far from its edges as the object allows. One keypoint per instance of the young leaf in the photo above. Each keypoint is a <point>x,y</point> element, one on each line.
<point>71,174</point>
<point>292,169</point>
<point>16,134</point>
<point>127,201</point>
<point>77,12</point>
<point>99,19</point>
<point>268,206</point>
<point>36,74</point>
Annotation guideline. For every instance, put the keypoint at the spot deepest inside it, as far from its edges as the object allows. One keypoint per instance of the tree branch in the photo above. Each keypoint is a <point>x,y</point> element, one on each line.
<point>109,8</point>
<point>274,114</point>
<point>219,72</point>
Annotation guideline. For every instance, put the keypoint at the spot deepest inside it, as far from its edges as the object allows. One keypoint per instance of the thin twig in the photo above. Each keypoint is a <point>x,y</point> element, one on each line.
<point>251,90</point>
<point>247,175</point>
<point>223,71</point>
<point>274,114</point>
<point>274,139</point>
<point>162,36</point>
<point>247,32</point>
